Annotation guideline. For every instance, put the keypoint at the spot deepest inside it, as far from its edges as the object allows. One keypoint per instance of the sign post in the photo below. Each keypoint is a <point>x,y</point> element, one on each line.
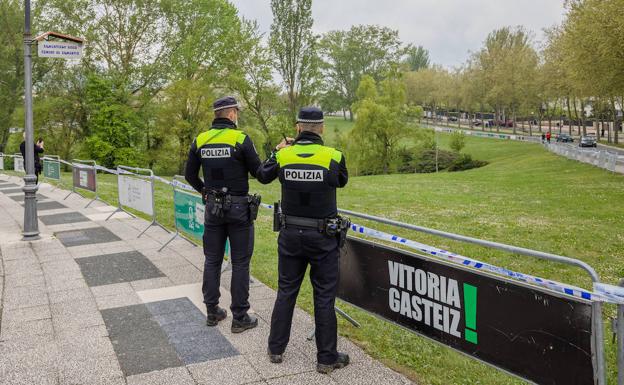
<point>31,223</point>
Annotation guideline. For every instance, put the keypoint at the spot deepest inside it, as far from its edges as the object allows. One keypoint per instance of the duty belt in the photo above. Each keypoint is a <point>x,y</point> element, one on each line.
<point>308,223</point>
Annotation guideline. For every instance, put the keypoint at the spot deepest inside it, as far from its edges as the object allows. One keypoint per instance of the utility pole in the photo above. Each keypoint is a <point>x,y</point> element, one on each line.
<point>31,224</point>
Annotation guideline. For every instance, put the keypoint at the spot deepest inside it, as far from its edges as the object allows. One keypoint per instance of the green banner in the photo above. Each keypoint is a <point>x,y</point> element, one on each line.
<point>51,169</point>
<point>189,214</point>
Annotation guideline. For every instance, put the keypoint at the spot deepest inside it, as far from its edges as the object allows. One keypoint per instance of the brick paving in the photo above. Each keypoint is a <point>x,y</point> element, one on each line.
<point>90,303</point>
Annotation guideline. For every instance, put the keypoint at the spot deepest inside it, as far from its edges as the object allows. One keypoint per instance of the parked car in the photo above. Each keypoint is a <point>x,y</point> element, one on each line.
<point>588,141</point>
<point>476,122</point>
<point>565,138</point>
<point>452,119</point>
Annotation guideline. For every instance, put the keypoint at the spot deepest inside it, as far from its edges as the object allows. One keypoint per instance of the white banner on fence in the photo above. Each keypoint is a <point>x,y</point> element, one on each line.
<point>18,164</point>
<point>136,193</point>
<point>1,162</point>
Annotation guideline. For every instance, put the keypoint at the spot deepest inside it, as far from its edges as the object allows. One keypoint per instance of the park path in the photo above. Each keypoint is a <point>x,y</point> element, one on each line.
<point>90,303</point>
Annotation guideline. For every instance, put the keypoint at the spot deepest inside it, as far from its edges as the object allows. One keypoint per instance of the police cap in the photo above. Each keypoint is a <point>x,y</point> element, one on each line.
<point>310,115</point>
<point>225,102</point>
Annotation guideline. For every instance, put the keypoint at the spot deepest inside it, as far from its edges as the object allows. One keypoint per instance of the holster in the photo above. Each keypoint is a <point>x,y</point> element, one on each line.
<point>277,217</point>
<point>254,205</point>
<point>345,225</point>
<point>222,201</point>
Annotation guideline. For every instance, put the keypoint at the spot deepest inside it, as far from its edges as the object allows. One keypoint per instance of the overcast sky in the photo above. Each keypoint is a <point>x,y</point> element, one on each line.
<point>449,29</point>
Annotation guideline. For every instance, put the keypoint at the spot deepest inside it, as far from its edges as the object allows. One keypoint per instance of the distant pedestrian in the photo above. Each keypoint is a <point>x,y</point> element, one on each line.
<point>543,138</point>
<point>38,150</point>
<point>548,135</point>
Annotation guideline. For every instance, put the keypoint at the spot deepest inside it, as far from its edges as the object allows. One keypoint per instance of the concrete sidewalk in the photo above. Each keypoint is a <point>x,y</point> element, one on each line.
<point>90,303</point>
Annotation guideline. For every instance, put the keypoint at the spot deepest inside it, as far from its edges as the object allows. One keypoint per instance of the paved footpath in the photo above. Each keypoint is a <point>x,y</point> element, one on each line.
<point>90,303</point>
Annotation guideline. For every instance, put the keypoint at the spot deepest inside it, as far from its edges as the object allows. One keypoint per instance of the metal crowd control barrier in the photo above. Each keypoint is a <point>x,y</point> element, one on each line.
<point>1,161</point>
<point>604,159</point>
<point>188,211</point>
<point>18,163</point>
<point>185,215</point>
<point>84,176</point>
<point>136,190</point>
<point>52,168</point>
<point>598,354</point>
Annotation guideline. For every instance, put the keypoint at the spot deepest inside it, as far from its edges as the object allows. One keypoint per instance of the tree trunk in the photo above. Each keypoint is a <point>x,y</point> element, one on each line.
<point>569,115</point>
<point>615,122</point>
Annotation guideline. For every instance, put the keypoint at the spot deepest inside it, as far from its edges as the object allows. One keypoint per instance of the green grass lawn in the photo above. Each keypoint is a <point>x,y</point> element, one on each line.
<point>526,196</point>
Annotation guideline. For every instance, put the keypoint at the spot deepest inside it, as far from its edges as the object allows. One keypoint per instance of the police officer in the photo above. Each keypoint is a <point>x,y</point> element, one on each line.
<point>226,155</point>
<point>309,173</point>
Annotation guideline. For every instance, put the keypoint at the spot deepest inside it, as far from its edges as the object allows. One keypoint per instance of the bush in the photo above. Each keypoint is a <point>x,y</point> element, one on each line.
<point>458,141</point>
<point>425,161</point>
<point>465,162</point>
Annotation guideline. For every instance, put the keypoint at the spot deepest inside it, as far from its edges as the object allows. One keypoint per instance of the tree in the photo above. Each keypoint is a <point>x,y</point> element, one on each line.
<point>593,39</point>
<point>381,124</point>
<point>509,63</point>
<point>293,46</point>
<point>417,58</point>
<point>11,65</point>
<point>253,80</point>
<point>362,50</point>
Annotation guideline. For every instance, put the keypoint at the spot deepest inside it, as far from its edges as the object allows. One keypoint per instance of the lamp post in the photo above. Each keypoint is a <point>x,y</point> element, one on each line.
<point>31,224</point>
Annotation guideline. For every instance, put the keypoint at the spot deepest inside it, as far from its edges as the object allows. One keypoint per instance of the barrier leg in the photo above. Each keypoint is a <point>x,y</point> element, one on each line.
<point>620,341</point>
<point>143,232</point>
<point>169,241</point>
<point>598,343</point>
<point>341,313</point>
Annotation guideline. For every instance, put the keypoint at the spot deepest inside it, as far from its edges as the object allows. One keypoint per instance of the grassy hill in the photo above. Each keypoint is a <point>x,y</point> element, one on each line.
<point>526,196</point>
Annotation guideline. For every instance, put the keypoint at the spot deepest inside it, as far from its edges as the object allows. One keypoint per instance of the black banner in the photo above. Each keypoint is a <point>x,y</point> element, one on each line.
<point>535,334</point>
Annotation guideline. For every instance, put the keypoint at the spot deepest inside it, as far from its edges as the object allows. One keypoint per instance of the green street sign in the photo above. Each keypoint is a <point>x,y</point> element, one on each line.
<point>189,214</point>
<point>52,169</point>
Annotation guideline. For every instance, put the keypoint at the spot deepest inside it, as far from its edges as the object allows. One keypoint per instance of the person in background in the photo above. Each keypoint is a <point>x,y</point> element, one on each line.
<point>38,150</point>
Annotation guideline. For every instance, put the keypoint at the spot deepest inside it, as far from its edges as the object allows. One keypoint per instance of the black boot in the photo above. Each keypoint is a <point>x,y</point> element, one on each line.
<point>275,358</point>
<point>215,314</point>
<point>245,323</point>
<point>341,362</point>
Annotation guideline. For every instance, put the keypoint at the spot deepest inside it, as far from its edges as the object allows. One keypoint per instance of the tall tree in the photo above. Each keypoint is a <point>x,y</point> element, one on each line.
<point>293,46</point>
<point>362,50</point>
<point>417,58</point>
<point>11,64</point>
<point>253,81</point>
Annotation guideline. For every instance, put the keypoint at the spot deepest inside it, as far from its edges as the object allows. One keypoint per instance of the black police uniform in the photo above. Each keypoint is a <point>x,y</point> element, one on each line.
<point>309,173</point>
<point>226,156</point>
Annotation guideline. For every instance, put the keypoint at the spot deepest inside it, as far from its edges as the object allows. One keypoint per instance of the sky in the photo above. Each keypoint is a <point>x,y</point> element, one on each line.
<point>449,29</point>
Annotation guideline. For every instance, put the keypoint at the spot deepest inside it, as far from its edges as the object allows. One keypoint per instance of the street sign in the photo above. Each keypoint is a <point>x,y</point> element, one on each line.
<point>59,49</point>
<point>539,335</point>
<point>58,45</point>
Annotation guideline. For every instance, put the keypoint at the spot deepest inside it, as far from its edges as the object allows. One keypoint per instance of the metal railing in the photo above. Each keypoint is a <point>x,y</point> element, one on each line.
<point>604,159</point>
<point>598,350</point>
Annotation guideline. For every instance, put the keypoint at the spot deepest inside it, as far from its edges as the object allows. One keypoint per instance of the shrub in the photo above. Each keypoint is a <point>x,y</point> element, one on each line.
<point>465,162</point>
<point>425,161</point>
<point>458,141</point>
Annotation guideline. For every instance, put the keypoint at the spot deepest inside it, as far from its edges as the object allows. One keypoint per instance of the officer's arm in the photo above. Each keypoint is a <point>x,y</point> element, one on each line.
<point>343,173</point>
<point>269,170</point>
<point>191,173</point>
<point>252,160</point>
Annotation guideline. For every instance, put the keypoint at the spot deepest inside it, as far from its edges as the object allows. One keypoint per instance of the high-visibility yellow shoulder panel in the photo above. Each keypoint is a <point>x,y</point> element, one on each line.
<point>221,136</point>
<point>319,155</point>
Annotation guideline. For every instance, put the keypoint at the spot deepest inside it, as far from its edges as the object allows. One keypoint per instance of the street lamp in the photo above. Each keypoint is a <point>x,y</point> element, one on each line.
<point>31,224</point>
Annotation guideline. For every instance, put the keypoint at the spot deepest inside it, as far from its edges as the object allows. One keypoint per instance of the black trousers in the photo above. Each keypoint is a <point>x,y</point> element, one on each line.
<point>297,248</point>
<point>237,226</point>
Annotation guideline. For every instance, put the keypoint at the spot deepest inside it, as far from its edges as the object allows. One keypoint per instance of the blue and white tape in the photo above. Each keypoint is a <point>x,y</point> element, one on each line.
<point>598,295</point>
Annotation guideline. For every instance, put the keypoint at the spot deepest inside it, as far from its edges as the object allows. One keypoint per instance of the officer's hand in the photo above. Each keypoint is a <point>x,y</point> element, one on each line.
<point>284,143</point>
